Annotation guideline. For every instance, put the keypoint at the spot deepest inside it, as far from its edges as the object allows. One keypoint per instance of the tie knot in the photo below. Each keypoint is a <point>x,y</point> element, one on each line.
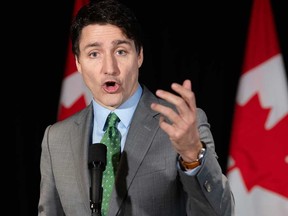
<point>111,120</point>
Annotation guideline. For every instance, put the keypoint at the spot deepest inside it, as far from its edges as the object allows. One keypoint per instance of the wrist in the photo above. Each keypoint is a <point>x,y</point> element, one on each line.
<point>186,165</point>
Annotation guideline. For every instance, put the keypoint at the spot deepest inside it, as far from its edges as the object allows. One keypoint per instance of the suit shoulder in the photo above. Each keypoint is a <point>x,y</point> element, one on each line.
<point>77,118</point>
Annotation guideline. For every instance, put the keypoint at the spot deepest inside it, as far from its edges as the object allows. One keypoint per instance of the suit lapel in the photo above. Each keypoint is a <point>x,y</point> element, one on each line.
<point>80,139</point>
<point>140,136</point>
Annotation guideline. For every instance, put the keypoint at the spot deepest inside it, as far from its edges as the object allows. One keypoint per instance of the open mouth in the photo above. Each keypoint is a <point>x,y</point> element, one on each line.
<point>111,86</point>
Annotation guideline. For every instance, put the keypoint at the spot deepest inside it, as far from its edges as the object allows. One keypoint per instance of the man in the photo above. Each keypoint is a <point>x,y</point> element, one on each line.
<point>168,165</point>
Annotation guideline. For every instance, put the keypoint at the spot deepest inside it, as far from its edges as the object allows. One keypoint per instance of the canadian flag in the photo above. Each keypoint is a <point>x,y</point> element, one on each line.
<point>258,157</point>
<point>74,93</point>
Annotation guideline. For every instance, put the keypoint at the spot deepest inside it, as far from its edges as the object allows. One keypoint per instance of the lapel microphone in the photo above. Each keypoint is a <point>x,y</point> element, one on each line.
<point>96,163</point>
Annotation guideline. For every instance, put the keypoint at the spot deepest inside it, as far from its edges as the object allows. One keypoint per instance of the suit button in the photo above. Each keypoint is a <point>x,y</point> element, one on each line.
<point>207,186</point>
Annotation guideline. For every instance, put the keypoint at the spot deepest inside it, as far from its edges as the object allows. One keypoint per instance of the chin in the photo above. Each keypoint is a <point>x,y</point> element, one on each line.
<point>112,105</point>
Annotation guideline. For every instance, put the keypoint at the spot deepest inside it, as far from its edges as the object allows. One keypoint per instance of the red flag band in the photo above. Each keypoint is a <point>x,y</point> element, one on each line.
<point>258,160</point>
<point>74,94</point>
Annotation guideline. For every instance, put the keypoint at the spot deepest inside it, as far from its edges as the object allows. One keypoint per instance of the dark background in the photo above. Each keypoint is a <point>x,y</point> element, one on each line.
<point>200,40</point>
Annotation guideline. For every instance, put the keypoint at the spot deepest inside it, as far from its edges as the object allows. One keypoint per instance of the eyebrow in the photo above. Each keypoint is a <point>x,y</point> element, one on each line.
<point>115,43</point>
<point>118,42</point>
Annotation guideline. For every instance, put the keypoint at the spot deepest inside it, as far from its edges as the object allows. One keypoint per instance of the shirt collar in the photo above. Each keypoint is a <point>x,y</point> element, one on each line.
<point>125,111</point>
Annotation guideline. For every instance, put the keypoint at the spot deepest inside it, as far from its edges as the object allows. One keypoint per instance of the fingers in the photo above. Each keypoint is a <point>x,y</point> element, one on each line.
<point>169,129</point>
<point>187,84</point>
<point>176,127</point>
<point>184,101</point>
<point>173,117</point>
<point>180,125</point>
<point>179,103</point>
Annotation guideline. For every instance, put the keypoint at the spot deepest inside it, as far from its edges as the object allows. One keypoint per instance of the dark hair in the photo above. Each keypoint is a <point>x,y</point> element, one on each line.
<point>106,12</point>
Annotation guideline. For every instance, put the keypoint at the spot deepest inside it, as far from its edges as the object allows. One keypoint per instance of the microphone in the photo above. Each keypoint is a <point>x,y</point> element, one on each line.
<point>96,164</point>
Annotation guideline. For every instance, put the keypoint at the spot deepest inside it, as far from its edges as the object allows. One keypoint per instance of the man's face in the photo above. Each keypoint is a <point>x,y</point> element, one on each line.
<point>109,64</point>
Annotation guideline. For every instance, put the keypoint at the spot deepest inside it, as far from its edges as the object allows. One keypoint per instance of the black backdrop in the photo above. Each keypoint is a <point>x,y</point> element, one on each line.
<point>200,40</point>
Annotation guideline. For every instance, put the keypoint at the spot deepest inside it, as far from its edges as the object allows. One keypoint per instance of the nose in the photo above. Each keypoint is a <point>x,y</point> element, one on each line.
<point>110,65</point>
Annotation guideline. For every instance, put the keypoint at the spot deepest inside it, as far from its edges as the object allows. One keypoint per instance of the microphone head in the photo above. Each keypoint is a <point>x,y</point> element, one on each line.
<point>97,155</point>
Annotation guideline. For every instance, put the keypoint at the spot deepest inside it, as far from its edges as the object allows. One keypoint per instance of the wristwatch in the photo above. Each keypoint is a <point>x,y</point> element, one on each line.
<point>191,165</point>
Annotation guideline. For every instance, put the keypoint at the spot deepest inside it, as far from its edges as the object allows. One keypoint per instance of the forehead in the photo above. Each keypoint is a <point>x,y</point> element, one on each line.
<point>98,33</point>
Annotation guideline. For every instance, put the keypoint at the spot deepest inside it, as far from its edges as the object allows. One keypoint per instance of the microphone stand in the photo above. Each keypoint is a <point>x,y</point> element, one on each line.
<point>96,165</point>
<point>96,190</point>
<point>95,211</point>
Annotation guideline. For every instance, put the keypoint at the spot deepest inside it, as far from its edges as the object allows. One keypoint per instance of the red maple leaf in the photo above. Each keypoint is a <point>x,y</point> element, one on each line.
<point>260,154</point>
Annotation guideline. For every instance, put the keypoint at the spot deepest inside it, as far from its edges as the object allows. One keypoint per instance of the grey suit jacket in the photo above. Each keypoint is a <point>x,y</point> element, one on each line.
<point>148,181</point>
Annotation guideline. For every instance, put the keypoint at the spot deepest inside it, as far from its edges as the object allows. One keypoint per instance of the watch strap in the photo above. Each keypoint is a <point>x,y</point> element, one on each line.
<point>193,164</point>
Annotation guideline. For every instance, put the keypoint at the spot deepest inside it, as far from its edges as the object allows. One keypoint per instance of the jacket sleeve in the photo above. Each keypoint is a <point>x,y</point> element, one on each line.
<point>208,192</point>
<point>49,202</point>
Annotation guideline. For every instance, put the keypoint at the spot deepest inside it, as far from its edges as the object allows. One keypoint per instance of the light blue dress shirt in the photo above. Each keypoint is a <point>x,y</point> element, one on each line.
<point>125,112</point>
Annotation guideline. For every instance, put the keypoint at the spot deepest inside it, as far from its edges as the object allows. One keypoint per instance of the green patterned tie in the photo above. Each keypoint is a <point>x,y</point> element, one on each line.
<point>112,139</point>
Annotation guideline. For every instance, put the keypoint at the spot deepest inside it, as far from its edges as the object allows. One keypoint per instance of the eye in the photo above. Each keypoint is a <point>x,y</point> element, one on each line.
<point>121,52</point>
<point>93,54</point>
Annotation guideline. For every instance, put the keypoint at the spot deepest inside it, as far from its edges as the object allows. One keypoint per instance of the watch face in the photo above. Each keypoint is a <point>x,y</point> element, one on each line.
<point>201,154</point>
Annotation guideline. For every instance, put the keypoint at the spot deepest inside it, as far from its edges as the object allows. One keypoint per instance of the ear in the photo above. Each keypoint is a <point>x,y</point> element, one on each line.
<point>140,57</point>
<point>78,65</point>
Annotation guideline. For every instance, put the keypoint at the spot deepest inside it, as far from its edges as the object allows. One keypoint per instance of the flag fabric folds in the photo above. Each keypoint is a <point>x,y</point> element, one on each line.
<point>258,155</point>
<point>74,94</point>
